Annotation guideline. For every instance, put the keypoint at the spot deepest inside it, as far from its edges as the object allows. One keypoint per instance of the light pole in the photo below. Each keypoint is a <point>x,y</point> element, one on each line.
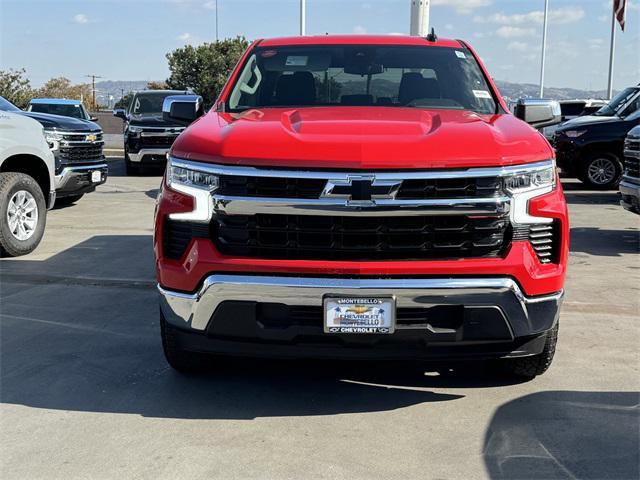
<point>544,46</point>
<point>419,22</point>
<point>302,17</point>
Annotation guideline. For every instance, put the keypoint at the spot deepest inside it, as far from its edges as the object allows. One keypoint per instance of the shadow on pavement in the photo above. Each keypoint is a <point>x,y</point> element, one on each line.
<point>565,435</point>
<point>611,243</point>
<point>80,332</point>
<point>577,193</point>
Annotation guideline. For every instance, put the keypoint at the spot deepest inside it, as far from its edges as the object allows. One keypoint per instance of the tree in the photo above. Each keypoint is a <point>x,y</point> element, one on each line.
<point>15,87</point>
<point>61,87</point>
<point>153,85</point>
<point>205,68</point>
<point>124,101</point>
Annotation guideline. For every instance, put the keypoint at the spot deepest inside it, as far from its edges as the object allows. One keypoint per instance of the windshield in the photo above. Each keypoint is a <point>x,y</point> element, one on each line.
<point>362,75</point>
<point>617,102</point>
<point>7,106</point>
<point>148,103</point>
<point>66,110</point>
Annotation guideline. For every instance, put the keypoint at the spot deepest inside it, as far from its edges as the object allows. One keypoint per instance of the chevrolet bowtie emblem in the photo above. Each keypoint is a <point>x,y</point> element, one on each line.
<point>91,138</point>
<point>361,190</point>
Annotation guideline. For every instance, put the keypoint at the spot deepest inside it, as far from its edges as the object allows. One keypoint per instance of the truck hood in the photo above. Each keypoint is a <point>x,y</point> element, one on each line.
<point>60,122</point>
<point>361,138</point>
<point>588,120</point>
<point>150,120</point>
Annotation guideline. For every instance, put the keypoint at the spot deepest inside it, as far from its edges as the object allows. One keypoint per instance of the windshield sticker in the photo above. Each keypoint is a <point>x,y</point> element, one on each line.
<point>460,54</point>
<point>269,53</point>
<point>296,61</point>
<point>481,94</point>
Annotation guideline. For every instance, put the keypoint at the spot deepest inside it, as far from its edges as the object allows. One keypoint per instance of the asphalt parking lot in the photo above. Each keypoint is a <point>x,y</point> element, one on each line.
<point>86,393</point>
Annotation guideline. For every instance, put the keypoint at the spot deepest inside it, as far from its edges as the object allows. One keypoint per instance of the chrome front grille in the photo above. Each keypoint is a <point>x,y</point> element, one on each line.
<point>80,147</point>
<point>359,215</point>
<point>632,157</point>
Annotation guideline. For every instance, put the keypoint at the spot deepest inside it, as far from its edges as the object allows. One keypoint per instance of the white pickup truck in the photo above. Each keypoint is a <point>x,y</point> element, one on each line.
<point>27,187</point>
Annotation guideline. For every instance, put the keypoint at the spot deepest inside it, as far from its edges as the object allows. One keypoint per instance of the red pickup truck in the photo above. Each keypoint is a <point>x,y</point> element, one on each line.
<point>360,197</point>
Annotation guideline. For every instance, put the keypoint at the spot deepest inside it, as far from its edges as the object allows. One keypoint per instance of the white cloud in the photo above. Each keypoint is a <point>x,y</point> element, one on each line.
<point>558,16</point>
<point>185,37</point>
<point>518,46</point>
<point>359,29</point>
<point>464,7</point>
<point>448,26</point>
<point>210,5</point>
<point>514,32</point>
<point>81,18</point>
<point>595,43</point>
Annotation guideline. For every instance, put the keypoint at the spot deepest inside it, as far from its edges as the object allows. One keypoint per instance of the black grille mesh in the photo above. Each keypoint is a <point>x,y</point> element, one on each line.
<point>283,187</point>
<point>307,237</point>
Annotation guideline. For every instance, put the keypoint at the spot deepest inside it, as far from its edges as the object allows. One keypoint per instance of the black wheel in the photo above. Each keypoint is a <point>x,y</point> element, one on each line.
<point>66,201</point>
<point>130,168</point>
<point>529,367</point>
<point>601,170</point>
<point>179,359</point>
<point>23,214</point>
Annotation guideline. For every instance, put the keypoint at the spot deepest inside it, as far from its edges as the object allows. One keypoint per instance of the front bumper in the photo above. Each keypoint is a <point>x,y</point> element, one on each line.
<point>630,194</point>
<point>149,154</point>
<point>486,317</point>
<point>76,180</point>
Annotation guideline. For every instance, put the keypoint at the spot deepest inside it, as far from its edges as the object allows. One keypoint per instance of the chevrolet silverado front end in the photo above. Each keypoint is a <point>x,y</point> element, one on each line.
<point>361,197</point>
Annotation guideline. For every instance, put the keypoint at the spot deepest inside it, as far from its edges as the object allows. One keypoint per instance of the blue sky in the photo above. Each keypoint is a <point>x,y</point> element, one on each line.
<point>128,39</point>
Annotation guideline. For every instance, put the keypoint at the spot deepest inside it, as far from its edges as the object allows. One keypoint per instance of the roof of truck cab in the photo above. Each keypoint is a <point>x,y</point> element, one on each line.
<point>358,40</point>
<point>55,101</point>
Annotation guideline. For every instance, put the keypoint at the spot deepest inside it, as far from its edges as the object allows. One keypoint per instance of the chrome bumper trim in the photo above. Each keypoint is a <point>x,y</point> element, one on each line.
<point>194,310</point>
<point>137,157</point>
<point>496,206</point>
<point>69,172</point>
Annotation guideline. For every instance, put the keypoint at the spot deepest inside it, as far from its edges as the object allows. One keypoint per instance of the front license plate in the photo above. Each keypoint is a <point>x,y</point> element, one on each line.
<point>96,176</point>
<point>359,315</point>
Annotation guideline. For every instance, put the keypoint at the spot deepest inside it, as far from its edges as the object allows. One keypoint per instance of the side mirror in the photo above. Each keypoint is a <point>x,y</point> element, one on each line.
<point>120,113</point>
<point>538,113</point>
<point>182,109</point>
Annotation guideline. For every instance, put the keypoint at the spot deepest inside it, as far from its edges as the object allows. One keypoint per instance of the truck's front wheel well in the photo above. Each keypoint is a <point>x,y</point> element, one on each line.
<point>32,166</point>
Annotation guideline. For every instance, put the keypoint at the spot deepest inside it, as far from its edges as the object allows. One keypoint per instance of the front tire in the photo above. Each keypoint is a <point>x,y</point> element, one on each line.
<point>530,367</point>
<point>23,214</point>
<point>601,170</point>
<point>179,359</point>
<point>130,168</point>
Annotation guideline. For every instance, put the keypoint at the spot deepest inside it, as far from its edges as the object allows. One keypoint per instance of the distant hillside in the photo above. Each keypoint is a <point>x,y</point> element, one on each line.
<point>511,91</point>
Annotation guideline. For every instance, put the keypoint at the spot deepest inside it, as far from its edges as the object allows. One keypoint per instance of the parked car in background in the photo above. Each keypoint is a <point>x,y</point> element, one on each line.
<point>572,109</point>
<point>60,106</point>
<point>26,183</point>
<point>77,146</point>
<point>361,197</point>
<point>147,136</point>
<point>630,183</point>
<point>591,147</point>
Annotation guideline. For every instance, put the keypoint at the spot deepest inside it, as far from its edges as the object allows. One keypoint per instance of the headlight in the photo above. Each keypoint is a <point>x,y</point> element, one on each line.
<point>189,177</point>
<point>574,133</point>
<point>532,181</point>
<point>192,178</point>
<point>53,138</point>
<point>134,130</point>
<point>536,179</point>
